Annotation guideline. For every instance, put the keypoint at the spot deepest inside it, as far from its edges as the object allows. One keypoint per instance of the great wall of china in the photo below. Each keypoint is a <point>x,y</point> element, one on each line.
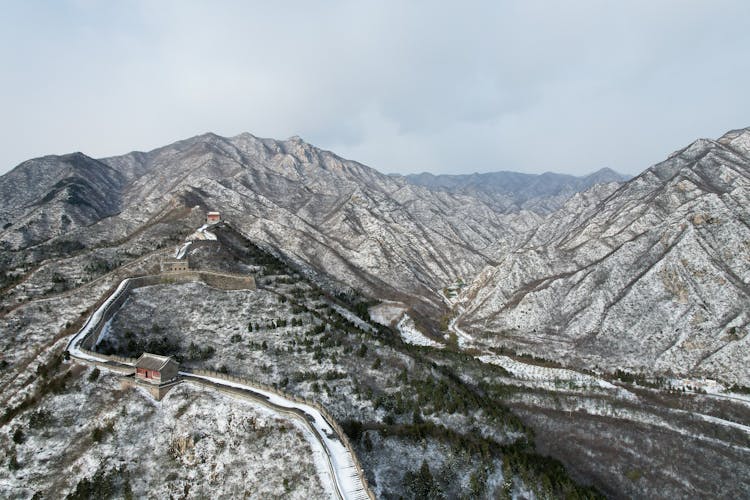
<point>347,475</point>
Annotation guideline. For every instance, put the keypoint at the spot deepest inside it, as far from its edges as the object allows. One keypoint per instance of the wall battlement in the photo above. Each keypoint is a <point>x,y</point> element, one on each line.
<point>224,281</point>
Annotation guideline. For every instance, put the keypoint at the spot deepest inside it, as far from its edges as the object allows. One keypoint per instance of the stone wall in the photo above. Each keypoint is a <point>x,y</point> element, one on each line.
<point>157,391</point>
<point>329,418</point>
<point>218,280</point>
<point>108,311</point>
<point>223,281</point>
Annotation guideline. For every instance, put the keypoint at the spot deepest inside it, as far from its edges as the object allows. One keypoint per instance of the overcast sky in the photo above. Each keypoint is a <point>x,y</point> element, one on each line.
<point>401,86</point>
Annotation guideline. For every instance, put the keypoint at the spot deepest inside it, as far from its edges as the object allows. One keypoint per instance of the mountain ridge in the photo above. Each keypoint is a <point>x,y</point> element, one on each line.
<point>658,244</point>
<point>514,191</point>
<point>397,240</point>
<point>330,215</point>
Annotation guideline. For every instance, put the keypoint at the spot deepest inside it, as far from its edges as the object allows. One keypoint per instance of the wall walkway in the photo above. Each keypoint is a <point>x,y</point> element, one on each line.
<point>346,470</point>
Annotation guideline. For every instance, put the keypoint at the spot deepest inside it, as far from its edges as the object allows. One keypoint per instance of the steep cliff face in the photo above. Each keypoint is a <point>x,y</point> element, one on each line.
<point>652,277</point>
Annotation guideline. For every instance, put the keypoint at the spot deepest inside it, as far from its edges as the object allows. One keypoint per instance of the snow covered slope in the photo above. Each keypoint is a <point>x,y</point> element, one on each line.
<point>654,276</point>
<point>336,217</point>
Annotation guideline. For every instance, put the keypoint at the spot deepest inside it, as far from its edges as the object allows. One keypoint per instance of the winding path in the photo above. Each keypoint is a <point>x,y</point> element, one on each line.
<point>340,463</point>
<point>346,479</point>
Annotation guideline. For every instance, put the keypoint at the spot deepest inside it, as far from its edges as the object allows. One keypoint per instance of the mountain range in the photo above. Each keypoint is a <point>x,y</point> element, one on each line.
<point>492,335</point>
<point>649,274</point>
<point>514,191</point>
<point>652,276</point>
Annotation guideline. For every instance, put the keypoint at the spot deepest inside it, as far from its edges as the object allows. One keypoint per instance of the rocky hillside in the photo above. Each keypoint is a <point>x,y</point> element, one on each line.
<point>406,410</point>
<point>335,217</point>
<point>652,276</point>
<point>649,275</point>
<point>47,197</point>
<point>514,191</point>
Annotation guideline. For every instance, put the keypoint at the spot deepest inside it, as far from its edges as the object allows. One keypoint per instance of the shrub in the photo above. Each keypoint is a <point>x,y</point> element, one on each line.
<point>104,484</point>
<point>40,419</point>
<point>633,474</point>
<point>13,461</point>
<point>367,442</point>
<point>352,428</point>
<point>18,436</point>
<point>416,417</point>
<point>421,483</point>
<point>99,433</point>
<point>44,370</point>
<point>196,353</point>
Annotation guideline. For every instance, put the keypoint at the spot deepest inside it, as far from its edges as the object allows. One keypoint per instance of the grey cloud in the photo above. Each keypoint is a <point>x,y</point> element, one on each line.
<point>402,86</point>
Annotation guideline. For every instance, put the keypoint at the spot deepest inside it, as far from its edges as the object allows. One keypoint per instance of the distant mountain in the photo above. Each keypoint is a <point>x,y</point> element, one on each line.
<point>513,191</point>
<point>50,196</point>
<point>653,277</point>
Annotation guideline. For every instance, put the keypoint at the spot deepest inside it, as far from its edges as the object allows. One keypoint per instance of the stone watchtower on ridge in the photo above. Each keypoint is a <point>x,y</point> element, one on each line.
<point>169,265</point>
<point>156,369</point>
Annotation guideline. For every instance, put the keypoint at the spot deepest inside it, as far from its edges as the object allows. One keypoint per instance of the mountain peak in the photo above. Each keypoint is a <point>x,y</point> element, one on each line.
<point>735,133</point>
<point>694,149</point>
<point>738,139</point>
<point>210,136</point>
<point>245,135</point>
<point>606,174</point>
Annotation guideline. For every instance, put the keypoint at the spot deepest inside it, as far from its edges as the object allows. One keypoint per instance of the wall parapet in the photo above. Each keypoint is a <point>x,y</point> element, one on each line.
<point>126,365</point>
<point>340,434</point>
<point>225,281</point>
<point>111,357</point>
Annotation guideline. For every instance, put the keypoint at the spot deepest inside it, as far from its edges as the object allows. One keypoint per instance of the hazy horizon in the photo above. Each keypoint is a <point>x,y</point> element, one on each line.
<point>584,174</point>
<point>404,88</point>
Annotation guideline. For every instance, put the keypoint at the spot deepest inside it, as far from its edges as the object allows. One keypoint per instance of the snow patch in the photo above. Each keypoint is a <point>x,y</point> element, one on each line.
<point>202,234</point>
<point>387,312</point>
<point>411,334</point>
<point>351,317</point>
<point>464,339</point>
<point>526,371</point>
<point>180,251</point>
